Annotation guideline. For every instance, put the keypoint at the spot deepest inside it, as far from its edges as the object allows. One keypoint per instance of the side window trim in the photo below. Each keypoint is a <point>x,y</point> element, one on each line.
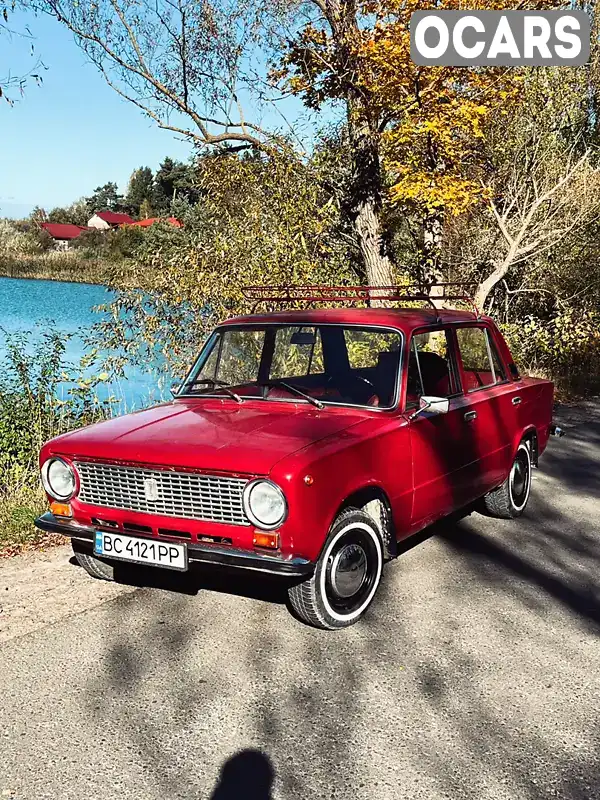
<point>490,357</point>
<point>413,341</point>
<point>494,344</point>
<point>455,363</point>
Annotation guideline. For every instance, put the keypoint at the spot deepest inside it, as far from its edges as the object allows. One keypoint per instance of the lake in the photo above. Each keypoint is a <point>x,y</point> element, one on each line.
<point>25,303</point>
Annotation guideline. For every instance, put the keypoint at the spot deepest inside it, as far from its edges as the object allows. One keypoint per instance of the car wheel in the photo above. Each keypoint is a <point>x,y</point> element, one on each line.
<point>509,500</point>
<point>346,576</point>
<point>96,567</point>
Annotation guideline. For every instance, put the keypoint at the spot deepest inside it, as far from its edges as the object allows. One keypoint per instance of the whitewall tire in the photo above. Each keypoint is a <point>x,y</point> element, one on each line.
<point>346,576</point>
<point>509,500</point>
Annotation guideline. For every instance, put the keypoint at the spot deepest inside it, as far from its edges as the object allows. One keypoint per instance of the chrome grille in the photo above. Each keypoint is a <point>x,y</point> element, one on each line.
<point>180,494</point>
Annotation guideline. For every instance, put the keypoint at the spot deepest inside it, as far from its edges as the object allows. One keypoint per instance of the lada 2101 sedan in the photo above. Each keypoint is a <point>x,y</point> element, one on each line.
<point>306,444</point>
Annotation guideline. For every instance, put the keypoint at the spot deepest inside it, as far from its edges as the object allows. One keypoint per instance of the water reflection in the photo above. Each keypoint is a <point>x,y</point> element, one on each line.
<point>27,305</point>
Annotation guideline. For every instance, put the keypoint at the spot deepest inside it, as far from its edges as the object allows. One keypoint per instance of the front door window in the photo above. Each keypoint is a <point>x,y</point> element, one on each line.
<point>429,367</point>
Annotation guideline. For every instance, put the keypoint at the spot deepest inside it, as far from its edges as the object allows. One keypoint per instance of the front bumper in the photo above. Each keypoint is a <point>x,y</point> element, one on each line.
<point>204,553</point>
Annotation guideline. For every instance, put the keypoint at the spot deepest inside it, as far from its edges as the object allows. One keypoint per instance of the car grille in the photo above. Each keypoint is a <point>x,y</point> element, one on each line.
<point>179,494</point>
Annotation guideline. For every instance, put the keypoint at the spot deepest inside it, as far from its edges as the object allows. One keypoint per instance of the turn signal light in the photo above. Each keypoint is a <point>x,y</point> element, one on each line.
<point>270,540</point>
<point>61,509</point>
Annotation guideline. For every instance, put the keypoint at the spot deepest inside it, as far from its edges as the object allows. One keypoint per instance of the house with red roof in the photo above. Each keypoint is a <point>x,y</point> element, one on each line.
<point>63,233</point>
<point>104,220</point>
<point>146,223</point>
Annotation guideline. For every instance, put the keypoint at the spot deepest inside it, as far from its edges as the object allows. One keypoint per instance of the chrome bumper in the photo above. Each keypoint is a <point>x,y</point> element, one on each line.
<point>204,553</point>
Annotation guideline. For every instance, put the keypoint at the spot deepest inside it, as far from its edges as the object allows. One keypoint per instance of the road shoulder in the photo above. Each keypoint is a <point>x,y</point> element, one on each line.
<point>40,588</point>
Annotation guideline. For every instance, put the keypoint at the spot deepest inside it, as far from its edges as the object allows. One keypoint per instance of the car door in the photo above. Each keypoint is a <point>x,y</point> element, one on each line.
<point>488,408</point>
<point>441,450</point>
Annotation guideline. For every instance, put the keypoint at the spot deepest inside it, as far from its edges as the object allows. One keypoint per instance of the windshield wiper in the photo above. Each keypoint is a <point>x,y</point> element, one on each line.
<point>294,390</point>
<point>228,391</point>
<point>219,386</point>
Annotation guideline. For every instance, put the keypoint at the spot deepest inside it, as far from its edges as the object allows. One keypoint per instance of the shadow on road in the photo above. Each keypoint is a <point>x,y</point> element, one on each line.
<point>201,578</point>
<point>574,460</point>
<point>248,775</point>
<point>428,684</point>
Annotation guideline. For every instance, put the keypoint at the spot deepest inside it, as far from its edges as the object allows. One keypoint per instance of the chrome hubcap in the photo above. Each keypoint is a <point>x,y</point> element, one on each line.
<point>519,476</point>
<point>348,570</point>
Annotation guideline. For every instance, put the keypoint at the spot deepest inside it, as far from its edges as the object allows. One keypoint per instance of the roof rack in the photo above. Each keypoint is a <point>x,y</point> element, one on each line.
<point>434,292</point>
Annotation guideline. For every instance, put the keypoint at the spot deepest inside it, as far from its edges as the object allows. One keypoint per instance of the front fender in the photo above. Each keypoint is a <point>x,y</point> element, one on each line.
<point>318,480</point>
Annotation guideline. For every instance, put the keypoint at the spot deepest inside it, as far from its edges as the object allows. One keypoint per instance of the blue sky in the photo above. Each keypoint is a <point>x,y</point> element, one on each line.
<point>72,133</point>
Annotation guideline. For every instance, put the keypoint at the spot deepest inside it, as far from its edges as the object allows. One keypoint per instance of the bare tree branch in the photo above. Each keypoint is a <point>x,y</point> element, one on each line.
<point>187,55</point>
<point>552,190</point>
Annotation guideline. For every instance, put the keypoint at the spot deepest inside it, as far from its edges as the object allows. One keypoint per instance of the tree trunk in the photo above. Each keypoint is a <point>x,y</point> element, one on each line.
<point>430,268</point>
<point>366,196</point>
<point>366,191</point>
<point>486,287</point>
<point>378,269</point>
<point>500,270</point>
<point>430,261</point>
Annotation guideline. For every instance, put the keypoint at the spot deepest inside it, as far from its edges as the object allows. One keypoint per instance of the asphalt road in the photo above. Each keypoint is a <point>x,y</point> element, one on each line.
<point>476,674</point>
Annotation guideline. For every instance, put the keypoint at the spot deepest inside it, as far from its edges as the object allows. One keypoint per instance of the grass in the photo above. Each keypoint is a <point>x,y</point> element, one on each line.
<point>20,503</point>
<point>55,266</point>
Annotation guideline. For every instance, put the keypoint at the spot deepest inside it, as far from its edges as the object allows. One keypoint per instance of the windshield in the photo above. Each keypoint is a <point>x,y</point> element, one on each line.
<point>325,363</point>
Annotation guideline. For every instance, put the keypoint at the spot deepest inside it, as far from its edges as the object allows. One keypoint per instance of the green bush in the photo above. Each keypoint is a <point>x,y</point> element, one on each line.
<point>16,242</point>
<point>41,396</point>
<point>114,245</point>
<point>565,348</point>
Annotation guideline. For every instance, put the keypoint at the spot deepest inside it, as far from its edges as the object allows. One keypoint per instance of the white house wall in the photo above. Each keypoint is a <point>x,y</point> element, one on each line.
<point>97,222</point>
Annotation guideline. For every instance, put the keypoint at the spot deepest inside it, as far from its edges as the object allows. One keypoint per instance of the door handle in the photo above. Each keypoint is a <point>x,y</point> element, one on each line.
<point>470,416</point>
<point>516,401</point>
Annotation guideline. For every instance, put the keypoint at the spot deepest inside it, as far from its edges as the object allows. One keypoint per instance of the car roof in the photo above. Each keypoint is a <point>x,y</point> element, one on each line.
<point>405,319</point>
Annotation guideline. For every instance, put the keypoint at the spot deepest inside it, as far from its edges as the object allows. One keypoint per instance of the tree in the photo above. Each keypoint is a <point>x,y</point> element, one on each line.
<point>189,65</point>
<point>262,220</point>
<point>10,83</point>
<point>548,196</point>
<point>146,210</point>
<point>140,189</point>
<point>105,197</point>
<point>14,242</point>
<point>539,184</point>
<point>323,63</point>
<point>38,215</point>
<point>75,214</point>
<point>173,180</point>
<point>435,121</point>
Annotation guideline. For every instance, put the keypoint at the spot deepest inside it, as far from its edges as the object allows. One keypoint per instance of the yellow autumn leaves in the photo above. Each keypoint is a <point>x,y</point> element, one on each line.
<point>436,116</point>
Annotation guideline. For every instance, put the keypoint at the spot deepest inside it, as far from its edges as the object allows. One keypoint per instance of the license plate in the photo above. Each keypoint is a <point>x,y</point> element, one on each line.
<point>141,551</point>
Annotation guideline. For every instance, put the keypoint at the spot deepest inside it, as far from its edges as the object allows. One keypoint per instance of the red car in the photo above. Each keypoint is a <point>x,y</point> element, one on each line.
<point>306,444</point>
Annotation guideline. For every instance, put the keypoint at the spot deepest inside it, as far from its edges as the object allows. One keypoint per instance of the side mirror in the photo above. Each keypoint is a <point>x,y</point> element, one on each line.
<point>434,405</point>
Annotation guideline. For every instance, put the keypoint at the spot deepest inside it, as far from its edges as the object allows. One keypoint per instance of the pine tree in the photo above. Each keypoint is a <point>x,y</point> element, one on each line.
<point>105,197</point>
<point>141,187</point>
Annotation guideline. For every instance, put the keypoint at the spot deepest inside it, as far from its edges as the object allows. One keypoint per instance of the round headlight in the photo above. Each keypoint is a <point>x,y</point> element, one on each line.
<point>58,479</point>
<point>264,504</point>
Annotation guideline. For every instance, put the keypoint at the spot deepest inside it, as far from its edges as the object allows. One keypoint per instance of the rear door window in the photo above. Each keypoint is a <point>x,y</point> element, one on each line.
<point>481,364</point>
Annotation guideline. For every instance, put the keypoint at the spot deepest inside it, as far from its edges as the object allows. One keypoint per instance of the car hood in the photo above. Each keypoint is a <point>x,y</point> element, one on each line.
<point>248,438</point>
